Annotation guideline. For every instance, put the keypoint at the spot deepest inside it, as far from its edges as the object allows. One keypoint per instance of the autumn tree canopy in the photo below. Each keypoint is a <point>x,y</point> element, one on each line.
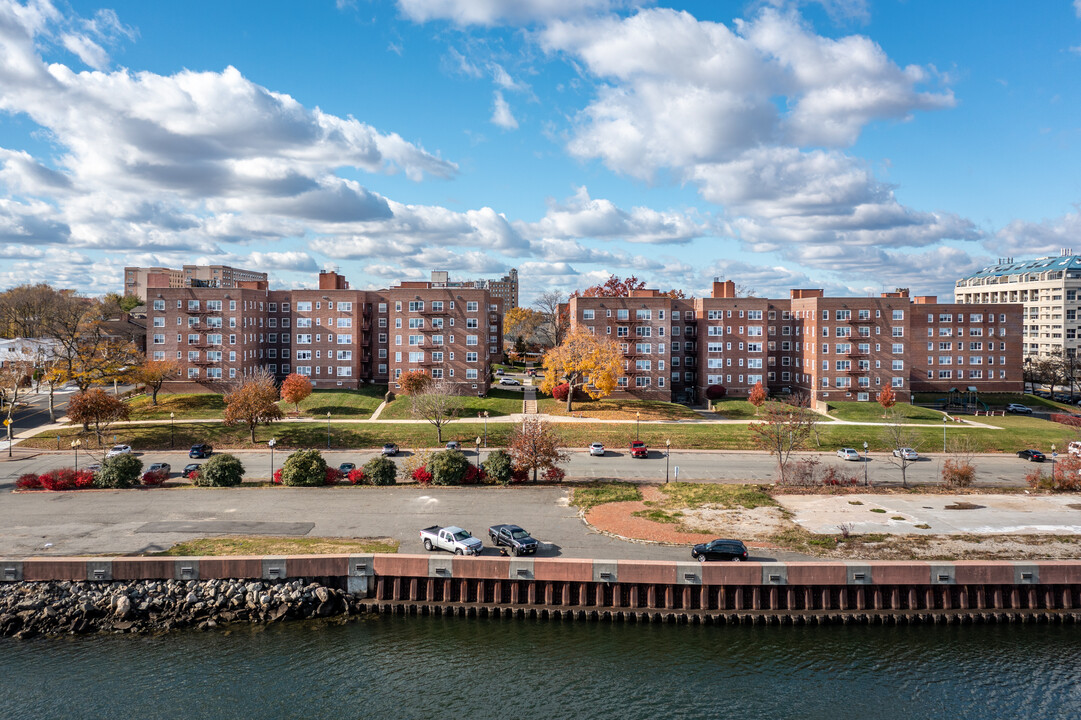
<point>295,388</point>
<point>98,408</point>
<point>616,287</point>
<point>521,322</point>
<point>758,395</point>
<point>154,373</point>
<point>414,381</point>
<point>252,401</point>
<point>533,447</point>
<point>583,361</point>
<point>887,398</point>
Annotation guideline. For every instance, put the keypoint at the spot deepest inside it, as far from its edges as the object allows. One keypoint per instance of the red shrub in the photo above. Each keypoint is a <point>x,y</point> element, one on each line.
<point>277,479</point>
<point>520,475</point>
<point>473,476</point>
<point>554,474</point>
<point>154,479</point>
<point>716,392</point>
<point>333,476</point>
<point>422,476</point>
<point>57,480</point>
<point>355,476</point>
<point>84,479</point>
<point>560,392</point>
<point>29,481</point>
<point>833,476</point>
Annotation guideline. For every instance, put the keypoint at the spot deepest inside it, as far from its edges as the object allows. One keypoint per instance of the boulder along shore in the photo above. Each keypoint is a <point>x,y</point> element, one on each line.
<point>28,609</point>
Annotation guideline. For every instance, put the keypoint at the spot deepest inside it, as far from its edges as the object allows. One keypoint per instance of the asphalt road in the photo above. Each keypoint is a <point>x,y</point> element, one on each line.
<point>707,466</point>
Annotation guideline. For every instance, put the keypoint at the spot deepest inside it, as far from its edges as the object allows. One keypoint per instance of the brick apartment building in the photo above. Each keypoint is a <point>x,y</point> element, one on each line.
<point>137,280</point>
<point>339,337</point>
<point>844,348</point>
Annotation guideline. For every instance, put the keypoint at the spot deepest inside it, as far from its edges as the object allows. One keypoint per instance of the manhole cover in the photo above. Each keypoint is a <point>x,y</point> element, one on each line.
<point>964,506</point>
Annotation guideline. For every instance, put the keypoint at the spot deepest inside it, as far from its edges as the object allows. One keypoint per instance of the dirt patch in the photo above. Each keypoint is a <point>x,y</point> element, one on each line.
<point>963,506</point>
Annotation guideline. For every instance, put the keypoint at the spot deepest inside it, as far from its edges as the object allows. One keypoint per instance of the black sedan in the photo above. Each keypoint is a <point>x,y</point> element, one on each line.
<point>190,470</point>
<point>200,451</point>
<point>720,549</point>
<point>1031,455</point>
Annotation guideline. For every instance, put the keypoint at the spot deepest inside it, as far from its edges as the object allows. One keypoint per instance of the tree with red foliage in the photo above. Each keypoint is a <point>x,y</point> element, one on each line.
<point>615,287</point>
<point>758,396</point>
<point>295,388</point>
<point>253,401</point>
<point>535,447</point>
<point>887,398</point>
<point>414,382</point>
<point>98,407</point>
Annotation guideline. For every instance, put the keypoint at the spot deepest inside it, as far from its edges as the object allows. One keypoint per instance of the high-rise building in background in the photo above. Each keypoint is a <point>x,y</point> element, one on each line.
<point>1048,290</point>
<point>138,279</point>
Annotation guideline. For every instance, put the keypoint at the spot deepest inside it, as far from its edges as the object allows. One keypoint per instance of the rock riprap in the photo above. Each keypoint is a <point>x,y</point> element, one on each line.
<point>59,608</point>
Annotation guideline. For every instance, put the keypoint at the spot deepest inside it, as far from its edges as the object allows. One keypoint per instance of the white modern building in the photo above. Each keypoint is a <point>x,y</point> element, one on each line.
<point>1047,287</point>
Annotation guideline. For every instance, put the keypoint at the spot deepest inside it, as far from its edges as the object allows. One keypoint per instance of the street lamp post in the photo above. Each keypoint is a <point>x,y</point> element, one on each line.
<point>478,453</point>
<point>271,443</point>
<point>637,424</point>
<point>328,430</point>
<point>7,422</point>
<point>172,430</point>
<point>667,453</point>
<point>485,428</point>
<point>1053,456</point>
<point>945,419</point>
<point>75,446</point>
<point>865,460</point>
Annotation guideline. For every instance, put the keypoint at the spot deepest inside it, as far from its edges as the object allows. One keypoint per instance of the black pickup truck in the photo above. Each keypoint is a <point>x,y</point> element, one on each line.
<point>514,537</point>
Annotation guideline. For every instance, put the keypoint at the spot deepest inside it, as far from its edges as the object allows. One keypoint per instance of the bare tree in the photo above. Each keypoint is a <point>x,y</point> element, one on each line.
<point>784,429</point>
<point>901,436</point>
<point>555,324</point>
<point>439,403</point>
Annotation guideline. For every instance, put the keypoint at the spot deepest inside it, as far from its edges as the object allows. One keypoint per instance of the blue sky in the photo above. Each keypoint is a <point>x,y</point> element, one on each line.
<point>854,145</point>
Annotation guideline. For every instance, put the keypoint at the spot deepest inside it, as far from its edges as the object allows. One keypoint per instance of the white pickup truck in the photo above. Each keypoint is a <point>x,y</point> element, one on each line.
<point>452,539</point>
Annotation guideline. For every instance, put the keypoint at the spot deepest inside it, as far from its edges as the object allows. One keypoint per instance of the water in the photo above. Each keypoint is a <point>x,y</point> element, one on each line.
<point>389,667</point>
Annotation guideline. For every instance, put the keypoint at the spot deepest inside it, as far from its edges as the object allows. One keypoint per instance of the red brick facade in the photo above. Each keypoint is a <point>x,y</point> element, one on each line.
<point>340,338</point>
<point>829,348</point>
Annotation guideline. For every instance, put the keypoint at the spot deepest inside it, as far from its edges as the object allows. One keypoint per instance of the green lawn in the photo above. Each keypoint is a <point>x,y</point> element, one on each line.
<point>873,412</point>
<point>618,409</point>
<point>590,495</point>
<point>191,406</point>
<point>352,404</point>
<point>734,409</point>
<point>498,402</point>
<point>997,401</point>
<point>1019,432</point>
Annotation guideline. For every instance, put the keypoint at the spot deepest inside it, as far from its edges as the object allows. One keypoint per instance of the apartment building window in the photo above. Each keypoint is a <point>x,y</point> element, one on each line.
<point>643,314</point>
<point>159,339</point>
<point>416,357</point>
<point>586,315</point>
<point>344,339</point>
<point>471,306</point>
<point>345,322</point>
<point>382,369</point>
<point>643,331</point>
<point>471,323</point>
<point>159,322</point>
<point>415,323</point>
<point>471,357</point>
<point>159,305</point>
<point>898,314</point>
<point>898,349</point>
<point>642,382</point>
<point>304,339</point>
<point>304,322</point>
<point>470,339</point>
<point>898,365</point>
<point>897,331</point>
<point>304,307</point>
<point>897,381</point>
<point>416,306</point>
<point>416,340</point>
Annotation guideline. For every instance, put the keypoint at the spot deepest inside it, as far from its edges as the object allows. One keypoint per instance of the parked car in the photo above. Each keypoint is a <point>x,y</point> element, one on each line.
<point>498,372</point>
<point>848,454</point>
<point>531,372</point>
<point>118,450</point>
<point>1074,448</point>
<point>1031,455</point>
<point>597,449</point>
<point>508,381</point>
<point>452,539</point>
<point>720,549</point>
<point>157,471</point>
<point>514,537</point>
<point>95,468</point>
<point>390,449</point>
<point>639,449</point>
<point>189,470</point>
<point>454,445</point>
<point>1019,409</point>
<point>200,451</point>
<point>346,468</point>
<point>906,454</point>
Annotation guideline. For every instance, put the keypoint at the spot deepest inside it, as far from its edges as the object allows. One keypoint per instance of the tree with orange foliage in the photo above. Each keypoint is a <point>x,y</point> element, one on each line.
<point>583,361</point>
<point>758,396</point>
<point>98,407</point>
<point>295,388</point>
<point>154,373</point>
<point>887,398</point>
<point>414,382</point>
<point>253,400</point>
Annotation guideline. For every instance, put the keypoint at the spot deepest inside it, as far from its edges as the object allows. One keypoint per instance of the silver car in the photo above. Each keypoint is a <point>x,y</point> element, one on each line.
<point>597,449</point>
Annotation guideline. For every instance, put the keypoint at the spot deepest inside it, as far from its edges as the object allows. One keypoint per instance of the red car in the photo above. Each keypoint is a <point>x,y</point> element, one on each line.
<point>638,449</point>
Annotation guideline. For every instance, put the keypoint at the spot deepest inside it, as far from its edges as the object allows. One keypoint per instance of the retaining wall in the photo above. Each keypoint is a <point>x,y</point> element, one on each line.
<point>630,589</point>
